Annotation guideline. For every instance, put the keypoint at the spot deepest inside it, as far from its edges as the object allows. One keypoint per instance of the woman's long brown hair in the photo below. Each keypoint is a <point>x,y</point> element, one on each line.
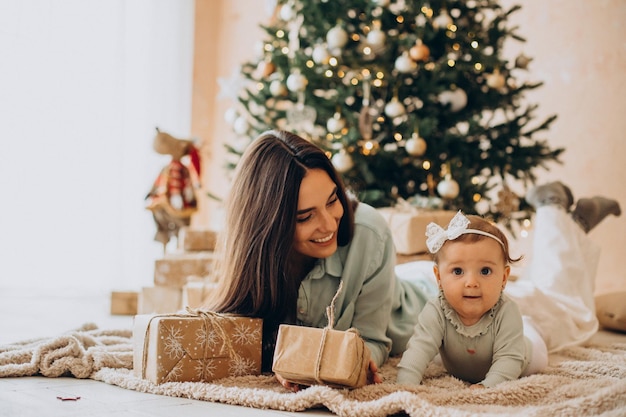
<point>255,248</point>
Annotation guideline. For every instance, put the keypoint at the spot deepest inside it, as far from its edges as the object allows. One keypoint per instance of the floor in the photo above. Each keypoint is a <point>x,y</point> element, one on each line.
<point>31,315</point>
<point>27,316</point>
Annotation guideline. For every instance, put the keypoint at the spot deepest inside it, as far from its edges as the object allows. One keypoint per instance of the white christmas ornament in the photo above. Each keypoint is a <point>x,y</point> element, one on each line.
<point>277,88</point>
<point>286,12</point>
<point>405,64</point>
<point>448,188</point>
<point>336,37</point>
<point>416,146</point>
<point>342,161</point>
<point>296,82</point>
<point>320,54</point>
<point>240,126</point>
<point>376,37</point>
<point>457,99</point>
<point>443,20</point>
<point>230,115</point>
<point>335,123</point>
<point>394,108</point>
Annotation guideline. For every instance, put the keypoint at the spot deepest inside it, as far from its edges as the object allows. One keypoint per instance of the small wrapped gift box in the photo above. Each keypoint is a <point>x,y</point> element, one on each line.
<point>191,239</point>
<point>408,226</point>
<point>196,292</point>
<point>124,302</point>
<point>176,269</point>
<point>195,346</point>
<point>159,299</point>
<point>306,355</point>
<point>309,355</point>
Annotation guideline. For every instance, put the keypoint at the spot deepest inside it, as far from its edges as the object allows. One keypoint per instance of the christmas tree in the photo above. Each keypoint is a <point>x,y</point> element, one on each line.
<point>411,99</point>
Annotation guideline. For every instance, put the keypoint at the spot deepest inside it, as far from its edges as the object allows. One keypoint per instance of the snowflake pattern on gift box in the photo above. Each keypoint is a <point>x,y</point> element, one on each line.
<point>173,343</point>
<point>174,374</point>
<point>246,335</point>
<point>241,366</point>
<point>205,369</point>
<point>208,337</point>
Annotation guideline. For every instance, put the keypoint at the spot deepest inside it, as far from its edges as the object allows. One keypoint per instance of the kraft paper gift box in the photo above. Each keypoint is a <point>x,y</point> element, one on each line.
<point>308,356</point>
<point>159,299</point>
<point>124,302</point>
<point>196,292</point>
<point>195,346</point>
<point>191,239</point>
<point>176,269</point>
<point>408,226</point>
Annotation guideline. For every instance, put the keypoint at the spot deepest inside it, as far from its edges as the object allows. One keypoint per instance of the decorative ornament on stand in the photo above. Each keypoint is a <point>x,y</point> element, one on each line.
<point>416,146</point>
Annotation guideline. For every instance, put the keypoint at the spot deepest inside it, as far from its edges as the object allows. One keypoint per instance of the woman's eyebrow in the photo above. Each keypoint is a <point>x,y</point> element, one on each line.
<point>306,210</point>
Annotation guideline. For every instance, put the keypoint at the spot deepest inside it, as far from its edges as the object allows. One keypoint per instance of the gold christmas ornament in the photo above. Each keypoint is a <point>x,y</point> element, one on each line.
<point>419,51</point>
<point>496,80</point>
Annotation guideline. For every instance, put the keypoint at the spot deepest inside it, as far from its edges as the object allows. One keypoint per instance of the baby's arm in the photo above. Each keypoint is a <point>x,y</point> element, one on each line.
<point>509,348</point>
<point>422,347</point>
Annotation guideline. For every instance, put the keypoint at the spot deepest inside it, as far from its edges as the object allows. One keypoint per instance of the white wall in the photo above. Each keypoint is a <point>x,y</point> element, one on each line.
<point>83,83</point>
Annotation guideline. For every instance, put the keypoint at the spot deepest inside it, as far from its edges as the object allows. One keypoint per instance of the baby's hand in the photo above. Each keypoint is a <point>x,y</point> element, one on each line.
<point>477,386</point>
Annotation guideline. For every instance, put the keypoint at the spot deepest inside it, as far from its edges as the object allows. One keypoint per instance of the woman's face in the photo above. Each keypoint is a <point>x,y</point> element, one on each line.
<point>318,216</point>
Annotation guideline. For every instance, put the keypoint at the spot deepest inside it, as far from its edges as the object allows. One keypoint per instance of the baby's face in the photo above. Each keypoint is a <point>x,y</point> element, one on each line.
<point>472,276</point>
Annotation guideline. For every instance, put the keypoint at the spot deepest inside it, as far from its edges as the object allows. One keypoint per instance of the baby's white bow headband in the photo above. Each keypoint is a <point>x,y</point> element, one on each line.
<point>437,236</point>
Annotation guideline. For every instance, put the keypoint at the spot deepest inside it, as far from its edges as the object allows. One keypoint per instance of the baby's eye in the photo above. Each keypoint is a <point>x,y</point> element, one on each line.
<point>457,271</point>
<point>485,271</point>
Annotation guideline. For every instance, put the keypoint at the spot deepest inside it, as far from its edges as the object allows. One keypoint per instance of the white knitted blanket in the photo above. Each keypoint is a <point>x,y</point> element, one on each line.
<point>580,381</point>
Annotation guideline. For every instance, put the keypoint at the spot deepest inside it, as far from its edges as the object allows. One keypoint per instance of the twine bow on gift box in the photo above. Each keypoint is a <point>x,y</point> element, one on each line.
<point>330,313</point>
<point>211,320</point>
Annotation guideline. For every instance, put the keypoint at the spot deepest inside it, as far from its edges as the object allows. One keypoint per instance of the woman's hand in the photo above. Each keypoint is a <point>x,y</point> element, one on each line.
<point>289,385</point>
<point>372,376</point>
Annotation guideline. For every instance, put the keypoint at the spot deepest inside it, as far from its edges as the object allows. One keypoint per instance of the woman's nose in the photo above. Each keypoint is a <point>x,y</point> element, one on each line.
<point>327,221</point>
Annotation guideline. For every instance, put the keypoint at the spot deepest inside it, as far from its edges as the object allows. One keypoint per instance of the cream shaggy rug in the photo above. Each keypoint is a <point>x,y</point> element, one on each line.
<point>581,381</point>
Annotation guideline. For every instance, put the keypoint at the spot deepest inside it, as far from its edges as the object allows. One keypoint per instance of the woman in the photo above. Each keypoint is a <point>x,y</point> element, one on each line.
<point>292,233</point>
